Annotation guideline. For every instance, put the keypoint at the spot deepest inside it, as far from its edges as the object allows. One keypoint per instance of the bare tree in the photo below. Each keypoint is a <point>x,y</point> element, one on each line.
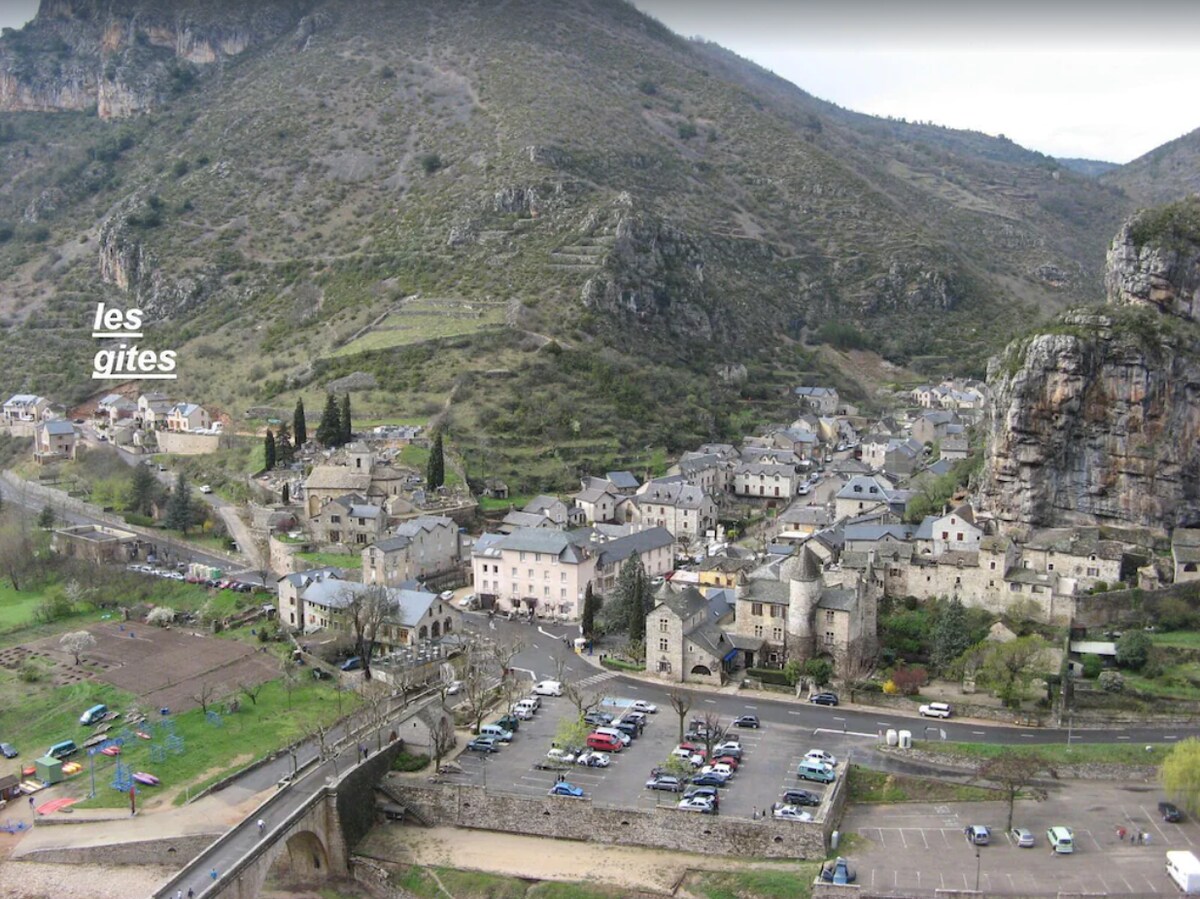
<point>365,612</point>
<point>291,680</point>
<point>1013,773</point>
<point>477,685</point>
<point>376,701</point>
<point>502,653</point>
<point>205,696</point>
<point>711,723</point>
<point>323,733</point>
<point>251,691</point>
<point>681,702</point>
<point>442,738</point>
<point>77,643</point>
<point>16,551</point>
<point>583,700</point>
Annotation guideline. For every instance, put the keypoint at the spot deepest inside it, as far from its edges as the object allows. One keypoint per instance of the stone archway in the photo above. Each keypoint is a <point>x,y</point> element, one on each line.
<point>701,670</point>
<point>423,633</point>
<point>447,626</point>
<point>304,859</point>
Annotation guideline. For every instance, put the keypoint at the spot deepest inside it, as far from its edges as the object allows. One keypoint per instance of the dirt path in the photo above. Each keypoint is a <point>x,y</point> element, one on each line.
<point>653,870</point>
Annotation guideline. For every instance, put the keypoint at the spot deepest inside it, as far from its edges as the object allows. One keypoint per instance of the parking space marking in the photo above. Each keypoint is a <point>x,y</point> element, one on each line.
<point>1170,737</point>
<point>754,707</point>
<point>1153,885</point>
<point>884,723</point>
<point>793,712</point>
<point>1027,736</point>
<point>978,733</point>
<point>923,840</point>
<point>1154,824</point>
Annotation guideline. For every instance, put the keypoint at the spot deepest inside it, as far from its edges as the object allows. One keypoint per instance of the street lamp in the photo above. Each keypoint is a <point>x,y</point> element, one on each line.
<point>977,864</point>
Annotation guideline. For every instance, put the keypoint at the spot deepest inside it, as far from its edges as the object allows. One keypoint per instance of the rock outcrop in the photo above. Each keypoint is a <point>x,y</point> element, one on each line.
<point>1098,421</point>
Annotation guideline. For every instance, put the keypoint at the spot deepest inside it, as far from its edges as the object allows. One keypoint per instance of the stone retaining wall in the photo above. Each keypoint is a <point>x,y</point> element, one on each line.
<point>471,806</point>
<point>1093,771</point>
<point>171,852</point>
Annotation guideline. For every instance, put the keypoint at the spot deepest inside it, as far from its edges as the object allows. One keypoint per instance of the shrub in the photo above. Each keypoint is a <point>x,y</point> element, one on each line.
<point>406,761</point>
<point>430,163</point>
<point>909,680</point>
<point>1112,681</point>
<point>1133,650</point>
<point>161,616</point>
<point>621,665</point>
<point>890,688</point>
<point>820,670</point>
<point>1092,666</point>
<point>648,87</point>
<point>687,131</point>
<point>769,676</point>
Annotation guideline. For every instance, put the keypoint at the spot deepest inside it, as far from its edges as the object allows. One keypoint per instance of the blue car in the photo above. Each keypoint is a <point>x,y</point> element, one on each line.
<point>709,779</point>
<point>352,664</point>
<point>483,744</point>
<point>562,788</point>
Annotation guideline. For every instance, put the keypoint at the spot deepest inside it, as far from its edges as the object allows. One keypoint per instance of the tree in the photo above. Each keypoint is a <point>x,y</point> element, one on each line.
<point>435,470</point>
<point>681,702</point>
<point>631,585</point>
<point>951,636</point>
<point>1014,773</point>
<point>583,700</point>
<point>285,494</point>
<point>161,616</point>
<point>251,691</point>
<point>365,611</point>
<point>1133,650</point>
<point>142,490</point>
<point>269,450</point>
<point>571,733</point>
<point>204,696</point>
<point>1008,667</point>
<point>591,605</point>
<point>47,518</point>
<point>284,451</point>
<point>16,552</point>
<point>819,670</point>
<point>441,739</point>
<point>376,699</point>
<point>291,680</point>
<point>477,689</point>
<point>1092,665</point>
<point>1112,681</point>
<point>502,653</point>
<point>344,420</point>
<point>1180,774</point>
<point>299,425</point>
<point>77,643</point>
<point>329,431</point>
<point>179,507</point>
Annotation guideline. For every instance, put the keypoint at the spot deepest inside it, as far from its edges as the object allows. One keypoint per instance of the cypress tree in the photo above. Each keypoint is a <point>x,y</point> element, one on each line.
<point>179,507</point>
<point>269,450</point>
<point>435,473</point>
<point>141,491</point>
<point>284,452</point>
<point>591,605</point>
<point>286,494</point>
<point>344,421</point>
<point>299,425</point>
<point>329,431</point>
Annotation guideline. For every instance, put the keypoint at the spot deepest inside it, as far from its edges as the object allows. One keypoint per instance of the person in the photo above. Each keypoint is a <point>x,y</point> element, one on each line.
<point>1121,834</point>
<point>213,874</point>
<point>191,893</point>
<point>31,802</point>
<point>262,825</point>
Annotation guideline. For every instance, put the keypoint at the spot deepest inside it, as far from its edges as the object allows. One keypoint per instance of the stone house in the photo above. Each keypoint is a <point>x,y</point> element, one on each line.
<point>348,519</point>
<point>625,482</point>
<point>822,400</point>
<point>326,483</point>
<point>671,503</point>
<point>801,441</point>
<point>545,570</point>
<point>955,530</point>
<point>153,409</point>
<point>517,520</point>
<point>23,412</point>
<point>114,407</point>
<point>867,493</point>
<point>555,509</point>
<point>933,426</point>
<point>683,642</point>
<point>708,471</point>
<point>902,456</point>
<point>95,543</point>
<point>597,499</point>
<point>1185,554</point>
<point>765,480</point>
<point>655,548</point>
<point>188,417</point>
<point>414,550</point>
<point>54,441</point>
<point>1077,553</point>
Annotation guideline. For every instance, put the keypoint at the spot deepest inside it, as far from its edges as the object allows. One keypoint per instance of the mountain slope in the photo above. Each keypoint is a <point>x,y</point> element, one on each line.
<point>1165,174</point>
<point>561,218</point>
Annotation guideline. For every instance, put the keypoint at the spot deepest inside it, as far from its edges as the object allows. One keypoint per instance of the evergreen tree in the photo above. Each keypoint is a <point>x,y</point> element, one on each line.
<point>631,585</point>
<point>284,452</point>
<point>299,425</point>
<point>269,450</point>
<point>344,420</point>
<point>591,605</point>
<point>286,494</point>
<point>435,473</point>
<point>46,519</point>
<point>179,507</point>
<point>951,637</point>
<point>329,431</point>
<point>142,490</point>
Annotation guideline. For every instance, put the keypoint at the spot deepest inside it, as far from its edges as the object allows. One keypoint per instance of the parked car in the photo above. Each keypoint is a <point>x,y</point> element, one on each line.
<point>351,664</point>
<point>724,770</point>
<point>800,797</point>
<point>824,699</point>
<point>837,870</point>
<point>727,760</point>
<point>509,722</point>
<point>483,744</point>
<point>935,710</point>
<point>1023,837</point>
<point>8,750</point>
<point>710,793</point>
<point>667,782</point>
<point>561,755</point>
<point>548,688</point>
<point>638,718</point>
<point>521,712</point>
<point>688,751</point>
<point>598,719</point>
<point>728,748</point>
<point>701,804</point>
<point>746,721</point>
<point>594,759</point>
<point>204,489</point>
<point>790,813</point>
<point>640,705</point>
<point>977,834</point>
<point>820,755</point>
<point>454,688</point>
<point>1170,812</point>
<point>709,779</point>
<point>562,788</point>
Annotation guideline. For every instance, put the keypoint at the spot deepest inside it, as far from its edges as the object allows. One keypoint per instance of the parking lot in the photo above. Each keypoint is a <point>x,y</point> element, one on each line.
<point>768,765</point>
<point>919,848</point>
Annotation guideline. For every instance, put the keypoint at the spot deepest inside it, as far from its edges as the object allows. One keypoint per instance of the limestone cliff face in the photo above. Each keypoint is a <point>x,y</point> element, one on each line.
<point>1099,421</point>
<point>122,57</point>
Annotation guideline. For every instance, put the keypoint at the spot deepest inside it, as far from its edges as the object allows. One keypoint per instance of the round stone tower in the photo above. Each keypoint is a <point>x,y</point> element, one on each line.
<point>804,592</point>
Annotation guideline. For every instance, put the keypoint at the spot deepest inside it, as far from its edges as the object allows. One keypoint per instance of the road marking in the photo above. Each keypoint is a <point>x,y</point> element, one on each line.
<point>1170,737</point>
<point>926,842</point>
<point>836,718</point>
<point>755,708</point>
<point>1154,824</point>
<point>711,701</point>
<point>902,839</point>
<point>1153,885</point>
<point>884,723</point>
<point>1122,738</point>
<point>978,733</point>
<point>1027,736</point>
<point>793,712</point>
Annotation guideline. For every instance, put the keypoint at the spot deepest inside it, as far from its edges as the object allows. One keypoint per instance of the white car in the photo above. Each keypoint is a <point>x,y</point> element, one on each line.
<point>521,712</point>
<point>454,687</point>
<point>701,804</point>
<point>561,755</point>
<point>548,688</point>
<point>935,710</point>
<point>206,489</point>
<point>593,759</point>
<point>640,705</point>
<point>820,755</point>
<point>720,768</point>
<point>790,813</point>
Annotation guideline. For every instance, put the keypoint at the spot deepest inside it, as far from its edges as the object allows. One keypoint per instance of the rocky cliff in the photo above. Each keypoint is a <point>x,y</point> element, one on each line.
<point>1097,420</point>
<point>124,57</point>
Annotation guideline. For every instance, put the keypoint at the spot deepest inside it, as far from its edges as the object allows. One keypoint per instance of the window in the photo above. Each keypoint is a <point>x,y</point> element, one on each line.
<point>756,608</point>
<point>1049,566</point>
<point>663,645</point>
<point>958,537</point>
<point>828,617</point>
<point>563,578</point>
<point>663,625</point>
<point>1093,572</point>
<point>829,638</point>
<point>776,611</point>
<point>992,566</point>
<point>758,630</point>
<point>522,557</point>
<point>945,535</point>
<point>531,572</point>
<point>1014,588</point>
<point>514,572</point>
<point>664,667</point>
<point>777,634</point>
<point>335,519</point>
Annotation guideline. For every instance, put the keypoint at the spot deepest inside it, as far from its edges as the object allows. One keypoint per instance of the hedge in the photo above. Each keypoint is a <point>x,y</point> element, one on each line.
<point>619,665</point>
<point>770,676</point>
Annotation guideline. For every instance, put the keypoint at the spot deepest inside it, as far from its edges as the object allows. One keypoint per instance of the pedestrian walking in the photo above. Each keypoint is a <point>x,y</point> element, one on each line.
<point>179,894</point>
<point>262,825</point>
<point>1121,834</point>
<point>191,893</point>
<point>213,874</point>
<point>31,803</point>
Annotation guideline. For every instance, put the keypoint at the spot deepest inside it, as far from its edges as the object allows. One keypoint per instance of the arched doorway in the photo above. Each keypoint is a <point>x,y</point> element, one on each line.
<point>423,633</point>
<point>436,631</point>
<point>702,670</point>
<point>448,626</point>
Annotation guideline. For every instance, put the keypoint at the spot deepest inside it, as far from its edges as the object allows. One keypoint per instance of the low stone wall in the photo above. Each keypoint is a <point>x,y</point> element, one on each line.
<point>961,710</point>
<point>171,852</point>
<point>471,806</point>
<point>179,443</point>
<point>1091,771</point>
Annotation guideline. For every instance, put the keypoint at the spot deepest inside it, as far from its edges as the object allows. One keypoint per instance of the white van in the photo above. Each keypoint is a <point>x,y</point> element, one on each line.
<point>528,706</point>
<point>1061,840</point>
<point>1184,869</point>
<point>936,710</point>
<point>548,688</point>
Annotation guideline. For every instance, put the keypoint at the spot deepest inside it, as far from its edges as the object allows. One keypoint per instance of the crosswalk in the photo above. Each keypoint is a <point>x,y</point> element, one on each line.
<point>596,679</point>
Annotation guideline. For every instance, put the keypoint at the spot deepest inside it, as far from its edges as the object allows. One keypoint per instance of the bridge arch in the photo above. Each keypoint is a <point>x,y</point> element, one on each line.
<point>302,858</point>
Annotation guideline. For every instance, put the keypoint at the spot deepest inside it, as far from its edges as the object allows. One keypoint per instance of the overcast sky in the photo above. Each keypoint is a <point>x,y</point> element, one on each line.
<point>1092,79</point>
